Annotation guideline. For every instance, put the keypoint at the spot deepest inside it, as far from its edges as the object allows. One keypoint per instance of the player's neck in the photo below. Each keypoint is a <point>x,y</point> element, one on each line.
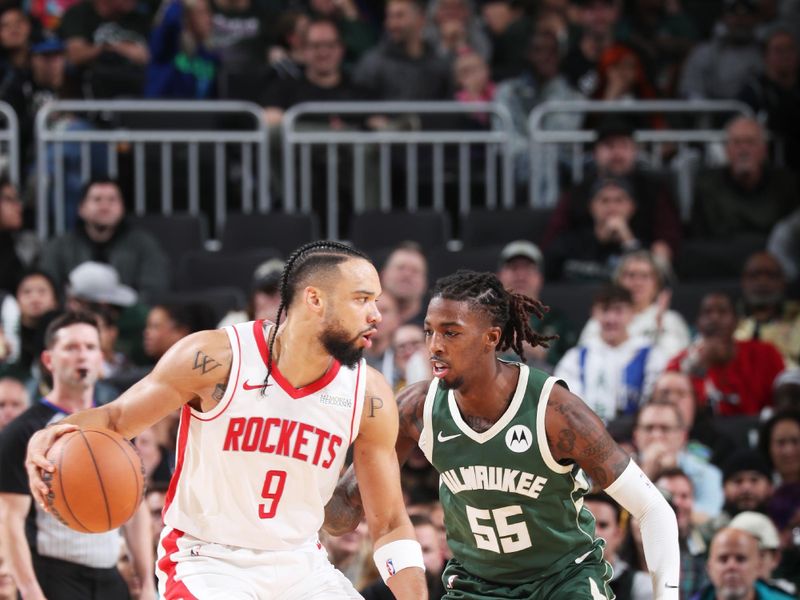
<point>488,397</point>
<point>71,400</point>
<point>300,357</point>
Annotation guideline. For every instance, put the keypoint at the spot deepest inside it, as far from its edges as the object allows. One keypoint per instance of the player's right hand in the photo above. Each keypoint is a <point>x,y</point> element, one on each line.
<point>37,465</point>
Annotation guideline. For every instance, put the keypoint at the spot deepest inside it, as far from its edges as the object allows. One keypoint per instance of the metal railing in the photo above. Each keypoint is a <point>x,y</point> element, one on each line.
<point>377,144</point>
<point>50,168</point>
<point>544,174</point>
<point>9,141</point>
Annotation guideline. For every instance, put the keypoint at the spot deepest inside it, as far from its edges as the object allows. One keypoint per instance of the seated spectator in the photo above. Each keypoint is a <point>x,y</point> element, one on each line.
<point>453,27</point>
<point>11,263</point>
<point>404,276</point>
<point>155,458</point>
<point>592,252</point>
<point>473,83</point>
<point>768,316</point>
<point>763,529</point>
<point>404,66</point>
<point>614,373</point>
<point>707,438</point>
<point>168,323</point>
<point>14,400</point>
<point>322,80</point>
<point>784,244</point>
<point>597,20</point>
<point>644,278</point>
<point>357,33</point>
<point>747,484</point>
<point>775,94</point>
<point>680,492</point>
<point>521,270</point>
<point>786,390</point>
<point>105,236</point>
<point>241,31</point>
<point>779,442</point>
<point>115,363</point>
<point>107,42</point>
<point>731,377</point>
<point>718,68</point>
<point>615,154</point>
<point>411,363</point>
<point>508,27</point>
<point>288,56</point>
<point>348,552</point>
<point>541,81</point>
<point>380,355</point>
<point>181,64</point>
<point>15,62</point>
<point>660,436</point>
<point>626,582</point>
<point>747,196</point>
<point>155,497</point>
<point>733,567</point>
<point>265,296</point>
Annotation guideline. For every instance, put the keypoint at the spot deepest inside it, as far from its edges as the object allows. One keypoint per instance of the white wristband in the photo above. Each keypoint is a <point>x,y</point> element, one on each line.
<point>395,556</point>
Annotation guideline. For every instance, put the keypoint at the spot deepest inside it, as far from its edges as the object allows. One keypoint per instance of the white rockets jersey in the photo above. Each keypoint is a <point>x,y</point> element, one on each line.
<point>257,470</point>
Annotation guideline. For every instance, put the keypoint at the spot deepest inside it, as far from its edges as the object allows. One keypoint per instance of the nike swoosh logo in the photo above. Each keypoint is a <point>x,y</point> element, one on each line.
<point>444,438</point>
<point>246,385</point>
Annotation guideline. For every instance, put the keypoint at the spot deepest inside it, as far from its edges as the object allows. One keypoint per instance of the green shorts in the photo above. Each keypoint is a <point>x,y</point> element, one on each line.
<point>586,581</point>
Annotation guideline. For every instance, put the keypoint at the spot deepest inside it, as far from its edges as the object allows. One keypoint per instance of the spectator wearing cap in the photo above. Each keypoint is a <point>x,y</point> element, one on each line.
<point>731,377</point>
<point>734,563</point>
<point>614,373</point>
<point>746,197</point>
<point>768,315</point>
<point>521,270</point>
<point>774,95</point>
<point>747,484</point>
<point>763,529</point>
<point>655,222</point>
<point>593,251</point>
<point>718,69</point>
<point>645,278</point>
<point>103,235</point>
<point>264,298</point>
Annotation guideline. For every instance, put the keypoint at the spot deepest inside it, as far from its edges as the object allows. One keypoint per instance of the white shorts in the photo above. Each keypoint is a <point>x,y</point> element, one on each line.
<point>189,568</point>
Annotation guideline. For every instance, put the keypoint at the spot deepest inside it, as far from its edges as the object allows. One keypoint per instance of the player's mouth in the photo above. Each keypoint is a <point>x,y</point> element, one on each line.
<point>439,367</point>
<point>367,338</point>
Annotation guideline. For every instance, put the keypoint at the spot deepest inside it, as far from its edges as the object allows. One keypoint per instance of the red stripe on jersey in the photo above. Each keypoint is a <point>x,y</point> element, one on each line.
<point>235,385</point>
<point>174,590</point>
<point>183,435</point>
<point>355,401</point>
<point>306,390</point>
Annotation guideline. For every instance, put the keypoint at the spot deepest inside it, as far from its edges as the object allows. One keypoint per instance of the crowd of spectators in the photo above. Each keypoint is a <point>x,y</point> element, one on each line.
<point>709,406</point>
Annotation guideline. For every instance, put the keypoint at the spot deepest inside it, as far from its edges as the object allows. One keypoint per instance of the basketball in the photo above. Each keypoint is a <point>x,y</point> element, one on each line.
<point>99,480</point>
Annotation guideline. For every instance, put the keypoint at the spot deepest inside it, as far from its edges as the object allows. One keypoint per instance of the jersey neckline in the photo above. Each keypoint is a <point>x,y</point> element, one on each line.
<point>261,341</point>
<point>502,422</point>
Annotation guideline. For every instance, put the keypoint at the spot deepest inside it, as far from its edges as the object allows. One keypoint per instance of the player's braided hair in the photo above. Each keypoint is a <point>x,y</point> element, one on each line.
<point>509,311</point>
<point>304,261</point>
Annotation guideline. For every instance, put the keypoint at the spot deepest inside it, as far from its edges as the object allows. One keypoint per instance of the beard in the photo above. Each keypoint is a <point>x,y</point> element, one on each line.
<point>341,346</point>
<point>451,385</point>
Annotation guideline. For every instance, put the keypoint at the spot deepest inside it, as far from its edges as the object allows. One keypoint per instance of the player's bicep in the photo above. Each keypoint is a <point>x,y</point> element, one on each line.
<point>575,433</point>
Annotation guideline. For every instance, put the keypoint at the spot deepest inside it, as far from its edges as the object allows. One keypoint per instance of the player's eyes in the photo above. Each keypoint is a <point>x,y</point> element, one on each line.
<point>427,332</point>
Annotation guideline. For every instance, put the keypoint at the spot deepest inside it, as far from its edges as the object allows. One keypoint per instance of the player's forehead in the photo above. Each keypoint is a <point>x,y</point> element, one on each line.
<point>357,275</point>
<point>445,311</point>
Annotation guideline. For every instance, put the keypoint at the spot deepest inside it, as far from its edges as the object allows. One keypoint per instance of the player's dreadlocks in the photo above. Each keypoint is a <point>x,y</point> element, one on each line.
<point>305,260</point>
<point>511,312</point>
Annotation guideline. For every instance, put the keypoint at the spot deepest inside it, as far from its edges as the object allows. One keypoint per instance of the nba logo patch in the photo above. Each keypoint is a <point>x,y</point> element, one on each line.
<point>390,567</point>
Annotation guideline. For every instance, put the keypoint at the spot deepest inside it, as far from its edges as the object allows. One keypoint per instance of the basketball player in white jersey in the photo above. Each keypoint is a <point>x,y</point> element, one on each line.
<point>267,416</point>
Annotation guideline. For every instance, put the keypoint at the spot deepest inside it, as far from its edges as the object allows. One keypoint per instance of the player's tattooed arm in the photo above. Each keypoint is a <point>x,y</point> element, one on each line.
<point>575,433</point>
<point>411,404</point>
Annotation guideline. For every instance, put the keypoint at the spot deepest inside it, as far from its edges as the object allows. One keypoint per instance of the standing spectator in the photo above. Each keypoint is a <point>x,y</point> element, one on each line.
<point>598,19</point>
<point>768,316</point>
<point>775,94</point>
<point>660,436</point>
<point>747,196</point>
<point>718,69</point>
<point>614,373</point>
<point>521,270</point>
<point>181,64</point>
<point>107,42</point>
<point>639,273</point>
<point>14,399</point>
<point>404,66</point>
<point>453,27</point>
<point>358,35</point>
<point>104,236</point>
<point>730,376</point>
<point>46,558</point>
<point>404,276</point>
<point>779,441</point>
<point>509,30</point>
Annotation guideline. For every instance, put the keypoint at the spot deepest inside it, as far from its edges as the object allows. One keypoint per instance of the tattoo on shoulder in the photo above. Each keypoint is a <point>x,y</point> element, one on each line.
<point>375,404</point>
<point>205,363</point>
<point>219,391</point>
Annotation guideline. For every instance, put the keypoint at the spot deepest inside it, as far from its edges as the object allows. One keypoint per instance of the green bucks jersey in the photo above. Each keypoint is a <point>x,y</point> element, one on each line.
<point>513,514</point>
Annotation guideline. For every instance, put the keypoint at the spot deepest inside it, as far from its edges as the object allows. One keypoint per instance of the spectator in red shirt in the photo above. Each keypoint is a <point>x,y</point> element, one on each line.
<point>733,377</point>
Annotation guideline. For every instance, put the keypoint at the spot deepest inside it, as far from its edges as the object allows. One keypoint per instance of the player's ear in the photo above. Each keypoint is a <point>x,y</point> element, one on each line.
<point>313,298</point>
<point>492,339</point>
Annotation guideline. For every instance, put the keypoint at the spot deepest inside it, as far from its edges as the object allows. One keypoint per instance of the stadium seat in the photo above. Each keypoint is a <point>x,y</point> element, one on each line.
<point>203,270</point>
<point>444,262</point>
<point>374,230</point>
<point>574,300</point>
<point>177,234</point>
<point>716,259</point>
<point>498,227</point>
<point>222,300</point>
<point>282,231</point>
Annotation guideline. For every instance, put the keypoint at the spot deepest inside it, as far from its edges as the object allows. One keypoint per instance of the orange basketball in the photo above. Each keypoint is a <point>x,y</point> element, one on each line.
<point>99,480</point>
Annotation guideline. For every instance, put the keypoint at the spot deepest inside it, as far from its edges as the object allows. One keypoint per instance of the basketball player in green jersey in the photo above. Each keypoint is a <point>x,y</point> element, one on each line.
<point>513,448</point>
